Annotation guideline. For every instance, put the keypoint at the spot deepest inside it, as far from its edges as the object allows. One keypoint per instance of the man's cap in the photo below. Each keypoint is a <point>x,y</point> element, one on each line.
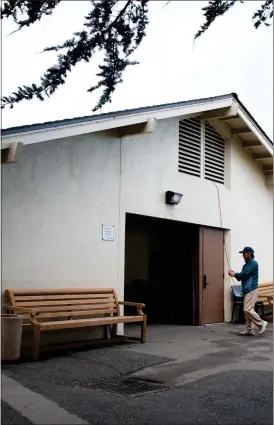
<point>247,249</point>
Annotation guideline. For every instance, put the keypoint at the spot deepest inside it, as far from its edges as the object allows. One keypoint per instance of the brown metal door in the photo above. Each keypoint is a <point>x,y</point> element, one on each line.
<point>212,275</point>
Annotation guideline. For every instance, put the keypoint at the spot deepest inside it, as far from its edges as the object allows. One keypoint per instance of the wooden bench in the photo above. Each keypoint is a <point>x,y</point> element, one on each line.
<point>265,294</point>
<point>56,309</point>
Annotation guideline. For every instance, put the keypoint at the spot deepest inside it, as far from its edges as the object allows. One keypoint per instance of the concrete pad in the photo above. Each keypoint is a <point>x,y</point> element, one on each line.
<point>204,351</point>
<point>35,407</point>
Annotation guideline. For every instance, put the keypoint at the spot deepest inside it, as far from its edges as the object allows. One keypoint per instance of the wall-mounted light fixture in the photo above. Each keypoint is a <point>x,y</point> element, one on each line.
<point>173,198</point>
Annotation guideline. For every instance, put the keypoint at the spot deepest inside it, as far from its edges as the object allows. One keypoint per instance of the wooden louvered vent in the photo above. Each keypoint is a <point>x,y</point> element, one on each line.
<point>214,155</point>
<point>190,147</point>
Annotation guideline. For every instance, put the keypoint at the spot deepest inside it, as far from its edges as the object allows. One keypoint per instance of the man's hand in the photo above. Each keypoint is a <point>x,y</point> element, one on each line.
<point>231,273</point>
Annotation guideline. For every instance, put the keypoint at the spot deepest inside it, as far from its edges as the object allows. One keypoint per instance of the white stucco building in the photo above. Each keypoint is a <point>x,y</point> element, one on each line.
<point>62,181</point>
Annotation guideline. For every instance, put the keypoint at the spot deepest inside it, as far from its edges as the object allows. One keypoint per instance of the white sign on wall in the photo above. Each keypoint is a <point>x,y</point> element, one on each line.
<point>107,233</point>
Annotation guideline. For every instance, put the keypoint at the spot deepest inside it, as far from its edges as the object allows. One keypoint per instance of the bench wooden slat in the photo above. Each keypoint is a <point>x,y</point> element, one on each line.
<point>60,291</point>
<point>263,300</point>
<point>265,292</point>
<point>38,304</point>
<point>68,308</point>
<point>69,313</point>
<point>61,297</point>
<point>70,324</point>
<point>265,284</point>
<point>76,313</point>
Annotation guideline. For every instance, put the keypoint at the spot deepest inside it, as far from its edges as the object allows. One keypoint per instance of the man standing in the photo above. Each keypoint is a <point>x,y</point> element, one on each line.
<point>249,278</point>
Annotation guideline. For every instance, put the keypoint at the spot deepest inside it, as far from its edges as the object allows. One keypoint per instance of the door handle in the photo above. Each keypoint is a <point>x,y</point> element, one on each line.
<point>205,282</point>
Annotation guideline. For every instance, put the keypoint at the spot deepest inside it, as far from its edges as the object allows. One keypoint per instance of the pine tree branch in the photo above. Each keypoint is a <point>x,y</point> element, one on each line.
<point>212,11</point>
<point>217,8</point>
<point>263,15</point>
<point>116,33</point>
<point>118,37</point>
<point>34,10</point>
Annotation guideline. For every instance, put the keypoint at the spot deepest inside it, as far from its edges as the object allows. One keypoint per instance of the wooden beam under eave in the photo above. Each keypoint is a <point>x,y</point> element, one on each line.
<point>11,154</point>
<point>252,144</point>
<point>140,128</point>
<point>261,156</point>
<point>239,131</point>
<point>226,112</point>
<point>233,117</point>
<point>269,179</point>
<point>267,168</point>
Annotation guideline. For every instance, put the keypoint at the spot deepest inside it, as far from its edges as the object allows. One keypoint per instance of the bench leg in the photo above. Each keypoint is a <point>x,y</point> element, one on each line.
<point>114,331</point>
<point>106,332</point>
<point>232,316</point>
<point>144,330</point>
<point>262,311</point>
<point>36,342</point>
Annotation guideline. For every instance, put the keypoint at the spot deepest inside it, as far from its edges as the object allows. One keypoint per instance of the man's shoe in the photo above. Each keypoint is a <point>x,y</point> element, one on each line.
<point>263,328</point>
<point>247,332</point>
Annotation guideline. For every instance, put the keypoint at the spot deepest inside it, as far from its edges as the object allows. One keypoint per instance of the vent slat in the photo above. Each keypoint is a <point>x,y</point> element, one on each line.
<point>211,145</point>
<point>215,157</point>
<point>215,142</point>
<point>214,160</point>
<point>196,150</point>
<point>213,133</point>
<point>189,154</point>
<point>191,124</point>
<point>211,129</point>
<point>216,178</point>
<point>188,169</point>
<point>190,172</point>
<point>183,137</point>
<point>191,121</point>
<point>191,129</point>
<point>187,163</point>
<point>212,150</point>
<point>190,145</point>
<point>190,148</point>
<point>214,170</point>
<point>214,163</point>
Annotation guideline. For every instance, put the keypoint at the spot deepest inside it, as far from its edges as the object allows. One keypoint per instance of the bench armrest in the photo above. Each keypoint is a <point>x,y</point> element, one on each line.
<point>19,309</point>
<point>25,310</point>
<point>270,300</point>
<point>139,306</point>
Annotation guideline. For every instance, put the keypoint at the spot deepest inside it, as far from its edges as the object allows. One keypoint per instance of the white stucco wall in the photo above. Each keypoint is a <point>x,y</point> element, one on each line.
<point>252,211</point>
<point>61,192</point>
<point>54,202</point>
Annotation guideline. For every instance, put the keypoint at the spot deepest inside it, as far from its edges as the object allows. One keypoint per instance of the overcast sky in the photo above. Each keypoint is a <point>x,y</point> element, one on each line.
<point>231,57</point>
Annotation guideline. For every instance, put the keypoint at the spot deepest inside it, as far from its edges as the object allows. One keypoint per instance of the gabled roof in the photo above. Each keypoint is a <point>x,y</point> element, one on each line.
<point>226,112</point>
<point>127,112</point>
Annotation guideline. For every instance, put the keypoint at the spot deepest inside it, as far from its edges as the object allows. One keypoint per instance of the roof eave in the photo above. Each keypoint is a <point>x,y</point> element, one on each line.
<point>53,133</point>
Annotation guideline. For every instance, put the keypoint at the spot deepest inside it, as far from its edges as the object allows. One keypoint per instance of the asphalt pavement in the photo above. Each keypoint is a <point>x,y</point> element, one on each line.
<point>183,375</point>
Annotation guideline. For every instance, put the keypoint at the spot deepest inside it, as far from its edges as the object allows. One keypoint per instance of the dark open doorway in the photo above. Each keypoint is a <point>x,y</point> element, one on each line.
<point>161,268</point>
